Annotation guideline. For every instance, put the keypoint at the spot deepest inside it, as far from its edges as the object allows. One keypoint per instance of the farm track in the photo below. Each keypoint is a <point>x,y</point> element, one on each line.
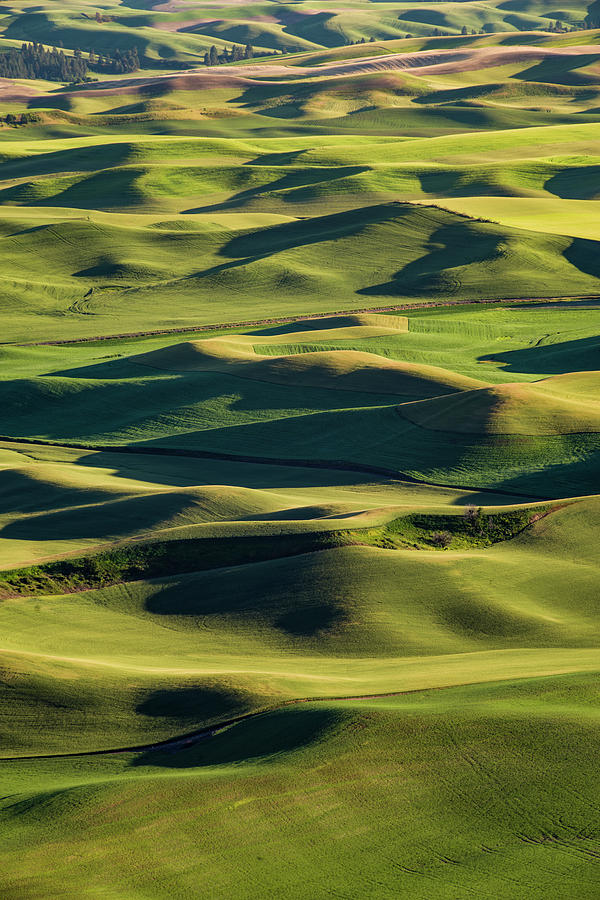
<point>284,320</point>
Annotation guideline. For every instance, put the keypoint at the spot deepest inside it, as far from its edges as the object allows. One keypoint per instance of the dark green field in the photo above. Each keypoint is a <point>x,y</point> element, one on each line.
<point>300,451</point>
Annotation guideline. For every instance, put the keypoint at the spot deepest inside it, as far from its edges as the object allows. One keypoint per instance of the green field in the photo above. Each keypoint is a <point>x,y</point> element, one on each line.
<point>300,454</point>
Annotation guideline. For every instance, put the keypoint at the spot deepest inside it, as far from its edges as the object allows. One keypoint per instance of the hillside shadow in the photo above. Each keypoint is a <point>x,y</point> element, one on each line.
<point>200,703</point>
<point>245,249</point>
<point>448,95</point>
<point>458,243</point>
<point>78,159</point>
<point>248,595</point>
<point>290,235</point>
<point>579,476</point>
<point>281,158</point>
<point>581,355</point>
<point>561,70</point>
<point>308,622</point>
<point>168,467</point>
<point>107,370</point>
<point>112,517</point>
<point>585,256</point>
<point>263,736</point>
<point>456,183</point>
<point>581,183</point>
<point>257,95</point>
<point>23,493</point>
<point>47,101</point>
<point>292,180</point>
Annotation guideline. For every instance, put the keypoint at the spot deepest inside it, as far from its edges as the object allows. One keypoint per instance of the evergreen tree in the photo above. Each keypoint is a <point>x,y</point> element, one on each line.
<point>34,61</point>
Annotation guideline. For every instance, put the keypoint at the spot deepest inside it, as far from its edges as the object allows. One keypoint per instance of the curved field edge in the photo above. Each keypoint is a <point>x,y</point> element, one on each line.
<point>156,559</point>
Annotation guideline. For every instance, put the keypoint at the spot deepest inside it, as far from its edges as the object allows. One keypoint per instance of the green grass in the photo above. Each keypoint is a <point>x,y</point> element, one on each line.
<point>108,276</point>
<point>361,549</point>
<point>480,774</point>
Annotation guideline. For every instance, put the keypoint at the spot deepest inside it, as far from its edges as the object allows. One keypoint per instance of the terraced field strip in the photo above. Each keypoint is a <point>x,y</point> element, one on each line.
<point>284,320</point>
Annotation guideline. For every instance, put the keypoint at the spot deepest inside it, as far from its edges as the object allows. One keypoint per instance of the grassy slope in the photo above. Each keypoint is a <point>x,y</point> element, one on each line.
<point>413,400</point>
<point>463,789</point>
<point>128,207</point>
<point>164,200</point>
<point>107,277</point>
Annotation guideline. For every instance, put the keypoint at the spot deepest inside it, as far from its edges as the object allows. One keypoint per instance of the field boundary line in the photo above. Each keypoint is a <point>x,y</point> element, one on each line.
<point>336,465</point>
<point>283,320</point>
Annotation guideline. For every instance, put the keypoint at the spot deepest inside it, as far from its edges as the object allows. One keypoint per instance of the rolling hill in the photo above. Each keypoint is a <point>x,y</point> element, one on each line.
<point>300,452</point>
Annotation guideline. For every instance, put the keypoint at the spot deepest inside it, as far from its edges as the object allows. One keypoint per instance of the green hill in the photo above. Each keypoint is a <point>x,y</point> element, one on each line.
<point>300,452</point>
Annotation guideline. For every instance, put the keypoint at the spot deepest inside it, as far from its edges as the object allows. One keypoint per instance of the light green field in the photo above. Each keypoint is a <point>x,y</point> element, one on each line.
<point>298,536</point>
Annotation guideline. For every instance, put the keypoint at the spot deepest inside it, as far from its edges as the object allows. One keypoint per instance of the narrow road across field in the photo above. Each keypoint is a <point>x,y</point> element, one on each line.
<point>284,320</point>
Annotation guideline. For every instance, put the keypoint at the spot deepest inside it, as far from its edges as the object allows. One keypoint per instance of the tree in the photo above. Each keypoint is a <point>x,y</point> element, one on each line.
<point>475,518</point>
<point>34,61</point>
<point>249,51</point>
<point>213,56</point>
<point>464,30</point>
<point>441,539</point>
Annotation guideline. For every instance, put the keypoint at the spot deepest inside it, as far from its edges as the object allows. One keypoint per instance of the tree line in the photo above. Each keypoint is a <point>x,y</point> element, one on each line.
<point>212,57</point>
<point>117,64</point>
<point>35,61</point>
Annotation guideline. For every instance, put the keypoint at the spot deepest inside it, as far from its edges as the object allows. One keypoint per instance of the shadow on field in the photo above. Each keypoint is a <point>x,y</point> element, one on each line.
<point>107,517</point>
<point>278,238</point>
<point>575,183</point>
<point>288,182</point>
<point>78,159</point>
<point>255,592</point>
<point>195,704</point>
<point>575,478</point>
<point>447,95</point>
<point>283,158</point>
<point>21,493</point>
<point>585,256</point>
<point>458,183</point>
<point>564,70</point>
<point>456,245</point>
<point>154,402</point>
<point>582,355</point>
<point>283,731</point>
<point>178,470</point>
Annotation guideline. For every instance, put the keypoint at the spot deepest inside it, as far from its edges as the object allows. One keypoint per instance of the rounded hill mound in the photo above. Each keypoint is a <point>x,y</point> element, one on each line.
<point>563,404</point>
<point>353,370</point>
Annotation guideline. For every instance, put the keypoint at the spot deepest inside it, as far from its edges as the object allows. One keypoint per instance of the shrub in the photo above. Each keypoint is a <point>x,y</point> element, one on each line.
<point>441,539</point>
